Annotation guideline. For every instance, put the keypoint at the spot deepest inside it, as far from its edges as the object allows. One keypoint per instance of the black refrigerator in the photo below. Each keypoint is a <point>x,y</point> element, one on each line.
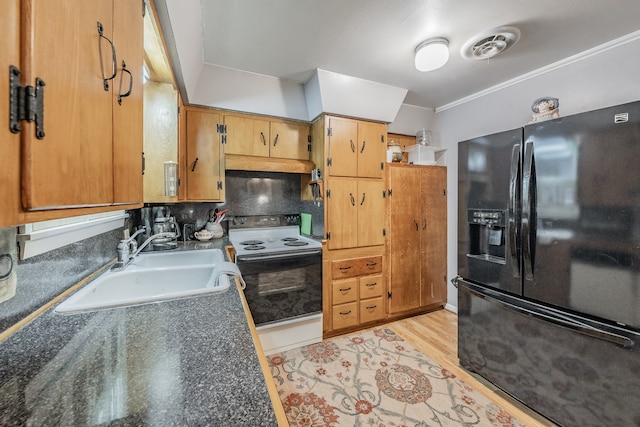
<point>549,265</point>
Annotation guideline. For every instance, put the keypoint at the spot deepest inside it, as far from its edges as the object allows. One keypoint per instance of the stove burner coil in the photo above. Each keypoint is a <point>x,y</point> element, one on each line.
<point>252,242</point>
<point>254,247</point>
<point>296,243</point>
<point>289,239</point>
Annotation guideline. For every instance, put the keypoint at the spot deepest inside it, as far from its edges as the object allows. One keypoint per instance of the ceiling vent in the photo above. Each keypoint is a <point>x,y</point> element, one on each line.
<point>490,43</point>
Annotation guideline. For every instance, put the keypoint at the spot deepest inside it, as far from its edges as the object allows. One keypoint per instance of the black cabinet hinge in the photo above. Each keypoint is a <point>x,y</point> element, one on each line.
<point>381,165</point>
<point>384,231</point>
<point>389,192</point>
<point>389,294</point>
<point>328,131</point>
<point>381,138</point>
<point>444,278</point>
<point>328,235</point>
<point>444,192</point>
<point>143,163</point>
<point>223,140</point>
<point>25,103</point>
<point>329,161</point>
<point>328,193</point>
<point>179,182</point>
<point>384,194</point>
<point>219,185</point>
<point>144,8</point>
<point>309,143</point>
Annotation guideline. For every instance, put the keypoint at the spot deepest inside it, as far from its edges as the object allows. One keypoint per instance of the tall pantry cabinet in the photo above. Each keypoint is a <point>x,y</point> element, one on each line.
<point>352,162</point>
<point>417,209</point>
<point>79,71</point>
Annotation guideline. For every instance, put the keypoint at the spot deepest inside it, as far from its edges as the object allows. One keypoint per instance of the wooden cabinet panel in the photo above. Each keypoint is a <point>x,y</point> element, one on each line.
<point>9,142</point>
<point>371,212</point>
<point>355,213</point>
<point>343,155</point>
<point>418,237</point>
<point>371,309</point>
<point>246,136</point>
<point>372,149</point>
<point>73,164</point>
<point>345,315</point>
<point>370,286</point>
<point>289,140</point>
<point>356,267</point>
<point>128,25</point>
<point>344,291</point>
<point>204,159</point>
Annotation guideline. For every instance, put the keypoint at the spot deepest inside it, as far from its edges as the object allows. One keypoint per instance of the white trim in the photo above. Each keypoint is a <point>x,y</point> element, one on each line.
<point>551,67</point>
<point>34,243</point>
<point>451,308</point>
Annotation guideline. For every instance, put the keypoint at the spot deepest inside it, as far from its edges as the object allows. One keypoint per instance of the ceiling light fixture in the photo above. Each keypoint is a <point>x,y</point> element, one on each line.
<point>432,54</point>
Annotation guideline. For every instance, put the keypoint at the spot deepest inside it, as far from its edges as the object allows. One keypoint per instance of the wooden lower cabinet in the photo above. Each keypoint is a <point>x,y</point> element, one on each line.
<point>357,288</point>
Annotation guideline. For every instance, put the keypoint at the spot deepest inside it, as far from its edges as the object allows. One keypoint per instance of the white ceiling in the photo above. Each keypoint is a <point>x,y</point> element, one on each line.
<point>375,39</point>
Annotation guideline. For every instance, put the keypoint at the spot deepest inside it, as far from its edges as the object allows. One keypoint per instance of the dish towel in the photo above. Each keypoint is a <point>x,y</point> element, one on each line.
<point>226,268</point>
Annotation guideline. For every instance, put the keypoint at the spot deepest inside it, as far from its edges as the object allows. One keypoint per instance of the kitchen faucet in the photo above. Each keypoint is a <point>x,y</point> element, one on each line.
<point>128,248</point>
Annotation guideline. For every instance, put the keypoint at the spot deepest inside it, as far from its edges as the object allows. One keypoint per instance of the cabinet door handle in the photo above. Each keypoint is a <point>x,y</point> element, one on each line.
<point>275,141</point>
<point>371,264</point>
<point>344,313</point>
<point>345,268</point>
<point>424,224</point>
<point>371,284</point>
<point>363,144</point>
<point>353,201</point>
<point>264,141</point>
<point>193,167</point>
<point>353,147</point>
<point>362,201</point>
<point>105,79</point>
<point>371,307</point>
<point>416,224</point>
<point>344,290</point>
<point>120,94</point>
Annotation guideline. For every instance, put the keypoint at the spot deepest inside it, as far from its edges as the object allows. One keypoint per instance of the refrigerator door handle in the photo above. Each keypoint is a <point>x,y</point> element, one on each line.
<point>514,200</point>
<point>528,200</point>
<point>560,320</point>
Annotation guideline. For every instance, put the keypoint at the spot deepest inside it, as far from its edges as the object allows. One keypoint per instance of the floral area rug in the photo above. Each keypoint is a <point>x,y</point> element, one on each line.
<point>376,378</point>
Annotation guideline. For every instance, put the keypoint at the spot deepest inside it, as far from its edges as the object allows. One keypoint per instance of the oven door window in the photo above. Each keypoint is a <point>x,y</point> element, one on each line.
<point>282,288</point>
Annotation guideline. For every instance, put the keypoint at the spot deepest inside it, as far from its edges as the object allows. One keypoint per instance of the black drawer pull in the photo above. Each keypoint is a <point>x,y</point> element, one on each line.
<point>371,307</point>
<point>343,290</point>
<point>372,264</point>
<point>345,268</point>
<point>344,313</point>
<point>371,284</point>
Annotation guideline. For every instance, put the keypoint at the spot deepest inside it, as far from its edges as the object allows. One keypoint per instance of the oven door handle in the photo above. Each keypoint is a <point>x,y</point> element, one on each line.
<point>277,256</point>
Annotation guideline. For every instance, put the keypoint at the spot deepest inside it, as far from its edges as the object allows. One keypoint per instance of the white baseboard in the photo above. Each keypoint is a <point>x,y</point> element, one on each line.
<point>291,334</point>
<point>451,308</point>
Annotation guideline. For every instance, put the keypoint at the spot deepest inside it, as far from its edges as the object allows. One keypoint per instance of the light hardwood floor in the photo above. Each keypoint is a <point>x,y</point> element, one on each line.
<point>436,335</point>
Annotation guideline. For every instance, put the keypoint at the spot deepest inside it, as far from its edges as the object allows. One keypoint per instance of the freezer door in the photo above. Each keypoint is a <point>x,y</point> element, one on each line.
<point>572,370</point>
<point>489,175</point>
<point>581,213</point>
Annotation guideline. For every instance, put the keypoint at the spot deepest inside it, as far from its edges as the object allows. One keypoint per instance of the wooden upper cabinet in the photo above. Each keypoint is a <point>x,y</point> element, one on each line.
<point>82,160</point>
<point>9,142</point>
<point>342,153</point>
<point>355,213</point>
<point>128,94</point>
<point>372,149</point>
<point>356,148</point>
<point>289,140</point>
<point>205,171</point>
<point>253,136</point>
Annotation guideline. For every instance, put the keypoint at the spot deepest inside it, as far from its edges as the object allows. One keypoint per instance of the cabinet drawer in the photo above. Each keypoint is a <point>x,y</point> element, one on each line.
<point>371,309</point>
<point>371,286</point>
<point>345,315</point>
<point>345,291</point>
<point>356,267</point>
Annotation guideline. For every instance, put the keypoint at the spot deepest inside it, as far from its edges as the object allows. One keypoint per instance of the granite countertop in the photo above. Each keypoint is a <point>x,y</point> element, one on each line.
<point>182,362</point>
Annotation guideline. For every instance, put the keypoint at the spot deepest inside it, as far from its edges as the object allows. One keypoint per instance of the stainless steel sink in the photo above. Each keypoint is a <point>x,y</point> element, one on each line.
<point>152,278</point>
